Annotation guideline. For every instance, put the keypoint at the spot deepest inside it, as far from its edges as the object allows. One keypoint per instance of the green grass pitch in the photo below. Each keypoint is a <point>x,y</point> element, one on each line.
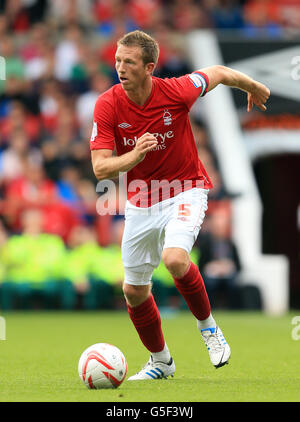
<point>40,355</point>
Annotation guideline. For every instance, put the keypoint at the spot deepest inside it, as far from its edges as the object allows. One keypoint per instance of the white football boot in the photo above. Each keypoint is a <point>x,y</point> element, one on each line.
<point>154,370</point>
<point>218,349</point>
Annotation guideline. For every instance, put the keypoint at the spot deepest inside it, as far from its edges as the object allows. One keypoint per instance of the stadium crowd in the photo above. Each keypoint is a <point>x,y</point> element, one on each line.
<point>59,56</point>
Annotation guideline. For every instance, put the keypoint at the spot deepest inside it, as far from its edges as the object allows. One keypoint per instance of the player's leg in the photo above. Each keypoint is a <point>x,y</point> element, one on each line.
<point>144,315</point>
<point>188,282</point>
<point>146,319</point>
<point>180,235</point>
<point>138,236</point>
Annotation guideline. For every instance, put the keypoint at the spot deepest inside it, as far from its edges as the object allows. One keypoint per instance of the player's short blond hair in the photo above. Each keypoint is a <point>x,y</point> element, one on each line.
<point>150,48</point>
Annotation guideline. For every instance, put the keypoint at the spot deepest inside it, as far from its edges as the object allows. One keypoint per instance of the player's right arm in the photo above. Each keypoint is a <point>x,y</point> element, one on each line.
<point>106,166</point>
<point>258,93</point>
<point>102,143</point>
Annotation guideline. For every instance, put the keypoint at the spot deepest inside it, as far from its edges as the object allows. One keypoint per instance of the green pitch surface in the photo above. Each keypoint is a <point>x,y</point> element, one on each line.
<point>40,355</point>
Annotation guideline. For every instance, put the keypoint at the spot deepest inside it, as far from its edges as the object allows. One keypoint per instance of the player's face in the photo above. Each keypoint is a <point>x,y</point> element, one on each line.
<point>130,67</point>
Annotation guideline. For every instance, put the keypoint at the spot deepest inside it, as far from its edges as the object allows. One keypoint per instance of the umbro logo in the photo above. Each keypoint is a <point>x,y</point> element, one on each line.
<point>124,125</point>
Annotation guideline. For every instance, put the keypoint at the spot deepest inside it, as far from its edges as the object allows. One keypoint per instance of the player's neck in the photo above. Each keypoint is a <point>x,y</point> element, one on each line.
<point>141,94</point>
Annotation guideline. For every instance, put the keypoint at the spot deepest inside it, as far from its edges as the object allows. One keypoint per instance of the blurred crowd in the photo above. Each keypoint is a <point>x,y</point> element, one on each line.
<point>180,15</point>
<point>59,57</point>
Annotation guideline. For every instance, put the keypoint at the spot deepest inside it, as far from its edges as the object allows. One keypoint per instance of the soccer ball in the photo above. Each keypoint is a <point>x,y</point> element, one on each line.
<point>102,365</point>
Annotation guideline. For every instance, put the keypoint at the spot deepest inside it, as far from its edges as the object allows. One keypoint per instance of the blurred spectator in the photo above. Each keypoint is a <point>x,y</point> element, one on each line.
<point>19,119</point>
<point>93,271</point>
<point>87,67</point>
<point>34,189</point>
<point>165,39</point>
<point>146,14</point>
<point>218,192</point>
<point>16,15</point>
<point>51,100</point>
<point>49,104</point>
<point>262,18</point>
<point>16,87</point>
<point>82,249</point>
<point>37,37</point>
<point>110,15</point>
<point>66,131</point>
<point>110,222</point>
<point>187,15</point>
<point>108,49</point>
<point>176,64</point>
<point>53,163</point>
<point>200,134</point>
<point>38,53</point>
<point>33,266</point>
<point>12,159</point>
<point>3,24</point>
<point>61,151</point>
<point>21,14</point>
<point>67,185</point>
<point>85,190</point>
<point>3,241</point>
<point>64,12</point>
<point>219,262</point>
<point>13,63</point>
<point>225,14</point>
<point>31,189</point>
<point>3,234</point>
<point>86,102</point>
<point>289,13</point>
<point>67,52</point>
<point>77,193</point>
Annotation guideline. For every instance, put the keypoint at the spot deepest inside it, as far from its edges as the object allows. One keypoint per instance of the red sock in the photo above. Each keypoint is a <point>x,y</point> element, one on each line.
<point>147,322</point>
<point>192,288</point>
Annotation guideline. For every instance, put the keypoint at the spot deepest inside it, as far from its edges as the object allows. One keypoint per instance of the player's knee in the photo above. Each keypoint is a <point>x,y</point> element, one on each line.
<point>176,261</point>
<point>136,295</point>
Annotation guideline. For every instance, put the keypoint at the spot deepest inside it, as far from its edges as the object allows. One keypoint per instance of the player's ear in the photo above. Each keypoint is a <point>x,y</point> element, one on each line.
<point>150,68</point>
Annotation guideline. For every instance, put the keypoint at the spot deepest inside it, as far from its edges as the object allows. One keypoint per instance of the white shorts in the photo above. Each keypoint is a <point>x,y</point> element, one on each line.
<point>172,223</point>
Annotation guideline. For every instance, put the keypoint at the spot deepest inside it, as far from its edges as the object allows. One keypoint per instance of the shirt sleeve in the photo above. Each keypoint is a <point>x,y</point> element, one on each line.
<point>103,133</point>
<point>192,86</point>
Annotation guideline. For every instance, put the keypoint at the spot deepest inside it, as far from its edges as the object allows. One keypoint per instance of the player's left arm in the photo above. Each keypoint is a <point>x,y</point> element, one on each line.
<point>258,93</point>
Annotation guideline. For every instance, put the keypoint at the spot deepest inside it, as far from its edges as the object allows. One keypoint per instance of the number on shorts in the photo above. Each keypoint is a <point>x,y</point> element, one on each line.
<point>184,210</point>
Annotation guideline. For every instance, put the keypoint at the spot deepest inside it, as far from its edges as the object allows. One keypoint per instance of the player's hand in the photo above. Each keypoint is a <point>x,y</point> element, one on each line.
<point>258,96</point>
<point>144,144</point>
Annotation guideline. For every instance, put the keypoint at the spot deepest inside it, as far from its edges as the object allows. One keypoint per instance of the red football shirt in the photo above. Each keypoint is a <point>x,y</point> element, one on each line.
<point>119,122</point>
